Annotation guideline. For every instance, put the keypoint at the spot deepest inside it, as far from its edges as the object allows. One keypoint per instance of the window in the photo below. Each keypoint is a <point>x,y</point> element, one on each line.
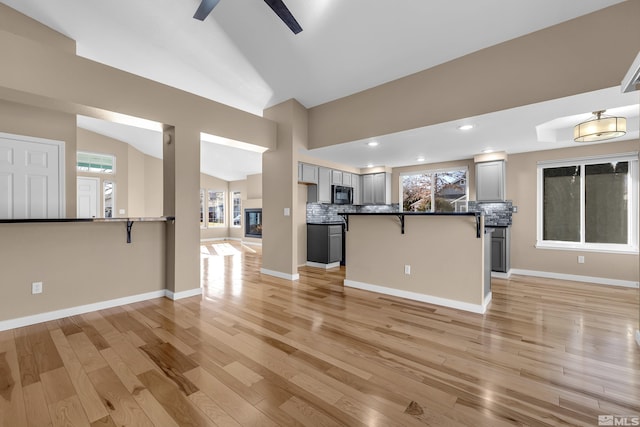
<point>236,202</point>
<point>588,204</point>
<point>216,208</point>
<point>434,191</point>
<point>203,203</point>
<point>108,188</point>
<point>96,163</point>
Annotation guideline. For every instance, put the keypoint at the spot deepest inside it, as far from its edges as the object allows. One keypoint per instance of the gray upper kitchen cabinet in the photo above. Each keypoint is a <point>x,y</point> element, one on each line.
<point>336,177</point>
<point>347,179</point>
<point>356,181</point>
<point>376,188</point>
<point>367,189</point>
<point>320,193</point>
<point>307,173</point>
<point>490,181</point>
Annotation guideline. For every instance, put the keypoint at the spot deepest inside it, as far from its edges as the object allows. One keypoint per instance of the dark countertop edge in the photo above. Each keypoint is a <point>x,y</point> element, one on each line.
<point>326,223</point>
<point>62,220</point>
<point>412,213</point>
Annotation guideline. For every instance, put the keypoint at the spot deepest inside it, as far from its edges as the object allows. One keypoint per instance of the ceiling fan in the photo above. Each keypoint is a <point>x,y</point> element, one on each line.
<point>278,6</point>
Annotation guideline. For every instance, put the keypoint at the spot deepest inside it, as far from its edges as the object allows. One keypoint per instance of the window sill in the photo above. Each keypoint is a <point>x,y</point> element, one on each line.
<point>629,250</point>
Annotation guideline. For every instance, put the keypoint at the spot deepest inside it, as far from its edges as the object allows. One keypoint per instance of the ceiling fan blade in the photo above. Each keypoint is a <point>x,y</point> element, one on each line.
<point>283,12</point>
<point>205,9</point>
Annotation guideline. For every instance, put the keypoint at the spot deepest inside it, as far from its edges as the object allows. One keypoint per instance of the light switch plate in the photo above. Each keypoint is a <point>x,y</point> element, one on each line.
<point>287,212</point>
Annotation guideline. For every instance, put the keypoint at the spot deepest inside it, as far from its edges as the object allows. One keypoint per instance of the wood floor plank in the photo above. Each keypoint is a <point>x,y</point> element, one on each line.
<point>68,412</point>
<point>122,407</point>
<point>12,404</point>
<point>87,394</point>
<point>173,400</point>
<point>38,414</point>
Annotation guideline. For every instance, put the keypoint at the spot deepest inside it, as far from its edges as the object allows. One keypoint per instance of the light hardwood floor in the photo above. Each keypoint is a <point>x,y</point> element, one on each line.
<point>257,350</point>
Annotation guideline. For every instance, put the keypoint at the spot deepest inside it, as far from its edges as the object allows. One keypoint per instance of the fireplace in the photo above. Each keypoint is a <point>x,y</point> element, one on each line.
<point>253,223</point>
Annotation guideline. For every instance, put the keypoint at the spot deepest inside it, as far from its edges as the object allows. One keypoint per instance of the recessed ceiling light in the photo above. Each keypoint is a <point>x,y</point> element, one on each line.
<point>420,159</point>
<point>465,127</point>
<point>487,151</point>
<point>369,165</point>
<point>372,143</point>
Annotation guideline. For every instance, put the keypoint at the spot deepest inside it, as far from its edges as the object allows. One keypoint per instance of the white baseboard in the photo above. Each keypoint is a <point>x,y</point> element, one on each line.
<point>279,274</point>
<point>487,300</point>
<point>245,242</point>
<point>324,266</point>
<point>459,305</point>
<point>638,336</point>
<point>183,294</point>
<point>74,311</point>
<point>576,278</point>
<point>499,275</point>
<point>214,239</point>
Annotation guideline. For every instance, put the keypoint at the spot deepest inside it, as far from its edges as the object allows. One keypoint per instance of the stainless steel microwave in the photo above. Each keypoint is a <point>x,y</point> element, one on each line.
<point>341,195</point>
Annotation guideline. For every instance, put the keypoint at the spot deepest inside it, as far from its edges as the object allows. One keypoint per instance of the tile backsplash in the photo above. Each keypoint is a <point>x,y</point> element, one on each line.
<point>322,212</point>
<point>495,213</point>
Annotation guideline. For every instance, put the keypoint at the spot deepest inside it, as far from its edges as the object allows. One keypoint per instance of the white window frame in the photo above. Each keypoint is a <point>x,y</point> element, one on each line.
<point>89,153</point>
<point>204,202</point>
<point>432,172</point>
<point>224,207</point>
<point>632,204</point>
<point>232,206</point>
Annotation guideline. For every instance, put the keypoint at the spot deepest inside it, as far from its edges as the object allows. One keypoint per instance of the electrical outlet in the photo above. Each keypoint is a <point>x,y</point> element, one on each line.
<point>580,259</point>
<point>407,269</point>
<point>36,288</point>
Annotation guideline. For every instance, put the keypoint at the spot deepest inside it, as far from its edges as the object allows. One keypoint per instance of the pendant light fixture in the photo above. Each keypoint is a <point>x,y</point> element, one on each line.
<point>600,128</point>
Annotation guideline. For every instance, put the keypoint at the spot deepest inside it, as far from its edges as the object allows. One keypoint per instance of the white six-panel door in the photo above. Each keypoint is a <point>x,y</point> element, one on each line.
<point>88,202</point>
<point>31,184</point>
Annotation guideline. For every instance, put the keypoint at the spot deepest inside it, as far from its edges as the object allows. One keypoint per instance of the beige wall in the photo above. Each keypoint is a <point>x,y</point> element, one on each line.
<point>152,186</point>
<point>522,190</point>
<point>17,23</point>
<point>137,184</point>
<point>254,186</point>
<point>536,67</point>
<point>301,224</point>
<point>78,263</point>
<point>445,256</point>
<point>280,189</point>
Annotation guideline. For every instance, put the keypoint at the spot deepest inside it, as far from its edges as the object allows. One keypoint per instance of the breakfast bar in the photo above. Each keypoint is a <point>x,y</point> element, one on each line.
<point>440,258</point>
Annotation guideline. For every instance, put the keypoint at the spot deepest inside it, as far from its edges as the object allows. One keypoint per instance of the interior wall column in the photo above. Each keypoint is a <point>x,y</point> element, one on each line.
<point>280,190</point>
<point>181,183</point>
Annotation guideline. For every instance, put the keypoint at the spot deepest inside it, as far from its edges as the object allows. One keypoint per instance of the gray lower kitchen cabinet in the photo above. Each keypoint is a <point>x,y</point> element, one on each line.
<point>324,243</point>
<point>500,250</point>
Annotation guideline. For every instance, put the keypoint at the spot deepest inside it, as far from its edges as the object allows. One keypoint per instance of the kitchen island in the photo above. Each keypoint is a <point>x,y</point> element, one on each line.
<point>440,258</point>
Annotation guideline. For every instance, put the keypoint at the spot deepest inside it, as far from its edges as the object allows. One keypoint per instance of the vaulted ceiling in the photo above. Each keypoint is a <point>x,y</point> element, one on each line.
<point>244,56</point>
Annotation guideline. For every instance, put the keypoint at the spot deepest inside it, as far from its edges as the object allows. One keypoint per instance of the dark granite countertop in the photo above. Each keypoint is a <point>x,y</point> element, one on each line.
<point>59,220</point>
<point>411,213</point>
<point>326,223</point>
